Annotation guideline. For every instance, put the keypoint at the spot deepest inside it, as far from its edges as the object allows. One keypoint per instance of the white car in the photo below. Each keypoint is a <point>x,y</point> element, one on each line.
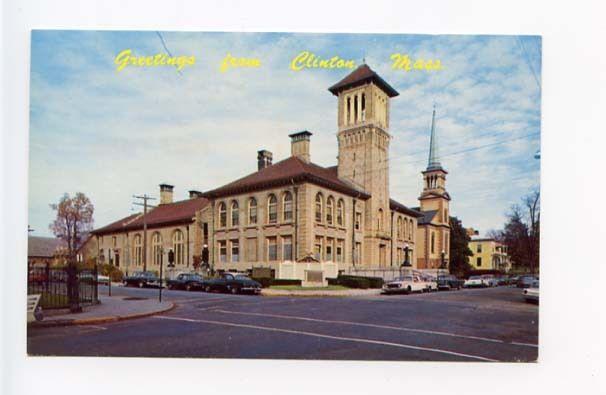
<point>474,281</point>
<point>531,294</point>
<point>405,284</point>
<point>490,280</point>
<point>430,284</point>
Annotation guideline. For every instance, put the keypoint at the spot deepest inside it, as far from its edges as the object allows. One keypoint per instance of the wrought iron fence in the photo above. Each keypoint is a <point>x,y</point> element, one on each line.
<point>62,287</point>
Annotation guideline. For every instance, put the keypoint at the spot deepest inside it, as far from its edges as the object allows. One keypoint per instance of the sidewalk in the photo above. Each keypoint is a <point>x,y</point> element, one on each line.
<point>114,308</point>
<point>320,292</point>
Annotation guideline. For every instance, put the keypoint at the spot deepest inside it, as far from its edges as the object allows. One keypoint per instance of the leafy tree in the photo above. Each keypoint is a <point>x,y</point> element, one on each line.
<point>74,219</point>
<point>459,248</point>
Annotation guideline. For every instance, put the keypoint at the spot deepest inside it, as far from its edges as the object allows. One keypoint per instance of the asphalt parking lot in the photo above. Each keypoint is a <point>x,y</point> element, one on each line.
<point>493,324</point>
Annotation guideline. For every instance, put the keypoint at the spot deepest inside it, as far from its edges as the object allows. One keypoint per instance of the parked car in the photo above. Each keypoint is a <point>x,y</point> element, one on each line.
<point>430,284</point>
<point>503,280</point>
<point>142,279</point>
<point>490,280</point>
<point>475,282</point>
<point>449,282</point>
<point>405,284</point>
<point>526,281</point>
<point>531,294</point>
<point>232,282</point>
<point>186,281</point>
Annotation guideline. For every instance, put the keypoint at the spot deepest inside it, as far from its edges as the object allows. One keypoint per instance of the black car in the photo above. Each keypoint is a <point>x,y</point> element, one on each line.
<point>233,283</point>
<point>142,279</point>
<point>526,281</point>
<point>186,281</point>
<point>449,282</point>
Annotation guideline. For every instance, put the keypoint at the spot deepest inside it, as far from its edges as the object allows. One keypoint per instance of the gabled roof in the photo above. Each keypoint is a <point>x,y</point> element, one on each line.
<point>360,76</point>
<point>43,247</point>
<point>286,172</point>
<point>163,215</point>
<point>397,206</point>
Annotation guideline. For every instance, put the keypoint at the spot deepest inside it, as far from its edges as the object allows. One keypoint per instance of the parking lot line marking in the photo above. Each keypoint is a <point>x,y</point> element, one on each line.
<point>314,334</point>
<point>398,328</point>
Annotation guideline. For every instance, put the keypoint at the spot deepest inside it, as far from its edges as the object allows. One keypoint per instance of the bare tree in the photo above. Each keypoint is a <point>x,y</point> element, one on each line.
<point>74,219</point>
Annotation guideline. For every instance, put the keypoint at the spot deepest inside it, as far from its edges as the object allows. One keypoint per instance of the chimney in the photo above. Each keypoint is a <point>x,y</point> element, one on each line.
<point>299,145</point>
<point>264,159</point>
<point>193,194</point>
<point>166,193</point>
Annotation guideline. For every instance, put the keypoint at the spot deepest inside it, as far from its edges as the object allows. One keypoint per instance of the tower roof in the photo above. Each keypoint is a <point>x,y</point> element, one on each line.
<point>360,76</point>
<point>434,160</point>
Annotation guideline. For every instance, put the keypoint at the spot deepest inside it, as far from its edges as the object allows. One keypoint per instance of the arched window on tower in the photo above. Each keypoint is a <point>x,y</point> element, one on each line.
<point>433,242</point>
<point>355,108</point>
<point>380,219</point>
<point>363,107</point>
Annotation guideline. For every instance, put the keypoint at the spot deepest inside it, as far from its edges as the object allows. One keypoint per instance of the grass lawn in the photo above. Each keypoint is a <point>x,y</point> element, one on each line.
<point>300,288</point>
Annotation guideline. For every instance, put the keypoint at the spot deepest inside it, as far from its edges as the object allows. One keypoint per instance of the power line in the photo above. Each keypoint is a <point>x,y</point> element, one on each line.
<point>528,62</point>
<point>166,49</point>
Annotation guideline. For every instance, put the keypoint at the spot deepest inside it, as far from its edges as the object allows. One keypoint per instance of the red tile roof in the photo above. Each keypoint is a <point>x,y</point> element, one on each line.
<point>360,76</point>
<point>286,172</point>
<point>163,215</point>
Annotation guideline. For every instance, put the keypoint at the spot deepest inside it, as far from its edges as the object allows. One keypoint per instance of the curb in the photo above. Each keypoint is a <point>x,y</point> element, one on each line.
<point>97,320</point>
<point>306,294</point>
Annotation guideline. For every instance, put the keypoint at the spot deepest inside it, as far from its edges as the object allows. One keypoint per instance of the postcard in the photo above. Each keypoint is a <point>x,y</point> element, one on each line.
<point>285,195</point>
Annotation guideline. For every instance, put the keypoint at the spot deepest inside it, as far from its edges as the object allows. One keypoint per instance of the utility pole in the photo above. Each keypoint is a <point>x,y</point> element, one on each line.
<point>145,198</point>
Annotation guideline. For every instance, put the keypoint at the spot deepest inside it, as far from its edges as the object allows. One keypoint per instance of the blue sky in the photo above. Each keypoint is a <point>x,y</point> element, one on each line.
<point>113,134</point>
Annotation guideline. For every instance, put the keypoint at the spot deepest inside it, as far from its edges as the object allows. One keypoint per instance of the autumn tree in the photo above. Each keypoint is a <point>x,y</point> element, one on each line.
<point>459,248</point>
<point>74,219</point>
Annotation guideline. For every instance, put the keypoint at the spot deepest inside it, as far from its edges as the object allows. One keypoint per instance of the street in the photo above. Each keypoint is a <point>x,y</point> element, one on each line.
<point>492,324</point>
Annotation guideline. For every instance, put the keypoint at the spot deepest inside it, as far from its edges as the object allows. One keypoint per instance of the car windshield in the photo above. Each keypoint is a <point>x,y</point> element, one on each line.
<point>242,277</point>
<point>405,278</point>
<point>475,278</point>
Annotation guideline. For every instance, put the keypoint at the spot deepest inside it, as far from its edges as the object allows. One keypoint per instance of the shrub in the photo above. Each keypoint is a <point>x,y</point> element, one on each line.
<point>111,271</point>
<point>277,281</point>
<point>358,281</point>
<point>264,281</point>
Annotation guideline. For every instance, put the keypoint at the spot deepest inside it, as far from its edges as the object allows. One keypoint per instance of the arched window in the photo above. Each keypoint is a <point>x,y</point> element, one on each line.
<point>340,212</point>
<point>272,209</point>
<point>319,207</point>
<point>138,246</point>
<point>330,207</point>
<point>222,215</point>
<point>380,219</point>
<point>433,242</point>
<point>235,214</point>
<point>363,105</point>
<point>156,248</point>
<point>399,228</point>
<point>411,229</point>
<point>446,215</point>
<point>287,206</point>
<point>252,211</point>
<point>178,247</point>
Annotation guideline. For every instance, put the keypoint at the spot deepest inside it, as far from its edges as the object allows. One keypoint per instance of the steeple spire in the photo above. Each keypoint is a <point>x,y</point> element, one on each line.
<point>434,160</point>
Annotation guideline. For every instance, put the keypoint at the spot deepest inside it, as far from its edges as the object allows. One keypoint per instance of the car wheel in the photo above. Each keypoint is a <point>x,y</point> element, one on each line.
<point>207,288</point>
<point>188,287</point>
<point>234,291</point>
<point>141,284</point>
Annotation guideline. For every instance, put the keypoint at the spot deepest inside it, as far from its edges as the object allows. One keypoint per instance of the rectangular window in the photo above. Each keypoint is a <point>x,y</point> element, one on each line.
<point>235,251</point>
<point>358,221</point>
<point>479,261</point>
<point>479,248</point>
<point>318,249</point>
<point>329,248</point>
<point>340,250</point>
<point>251,249</point>
<point>272,249</point>
<point>222,251</point>
<point>287,248</point>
